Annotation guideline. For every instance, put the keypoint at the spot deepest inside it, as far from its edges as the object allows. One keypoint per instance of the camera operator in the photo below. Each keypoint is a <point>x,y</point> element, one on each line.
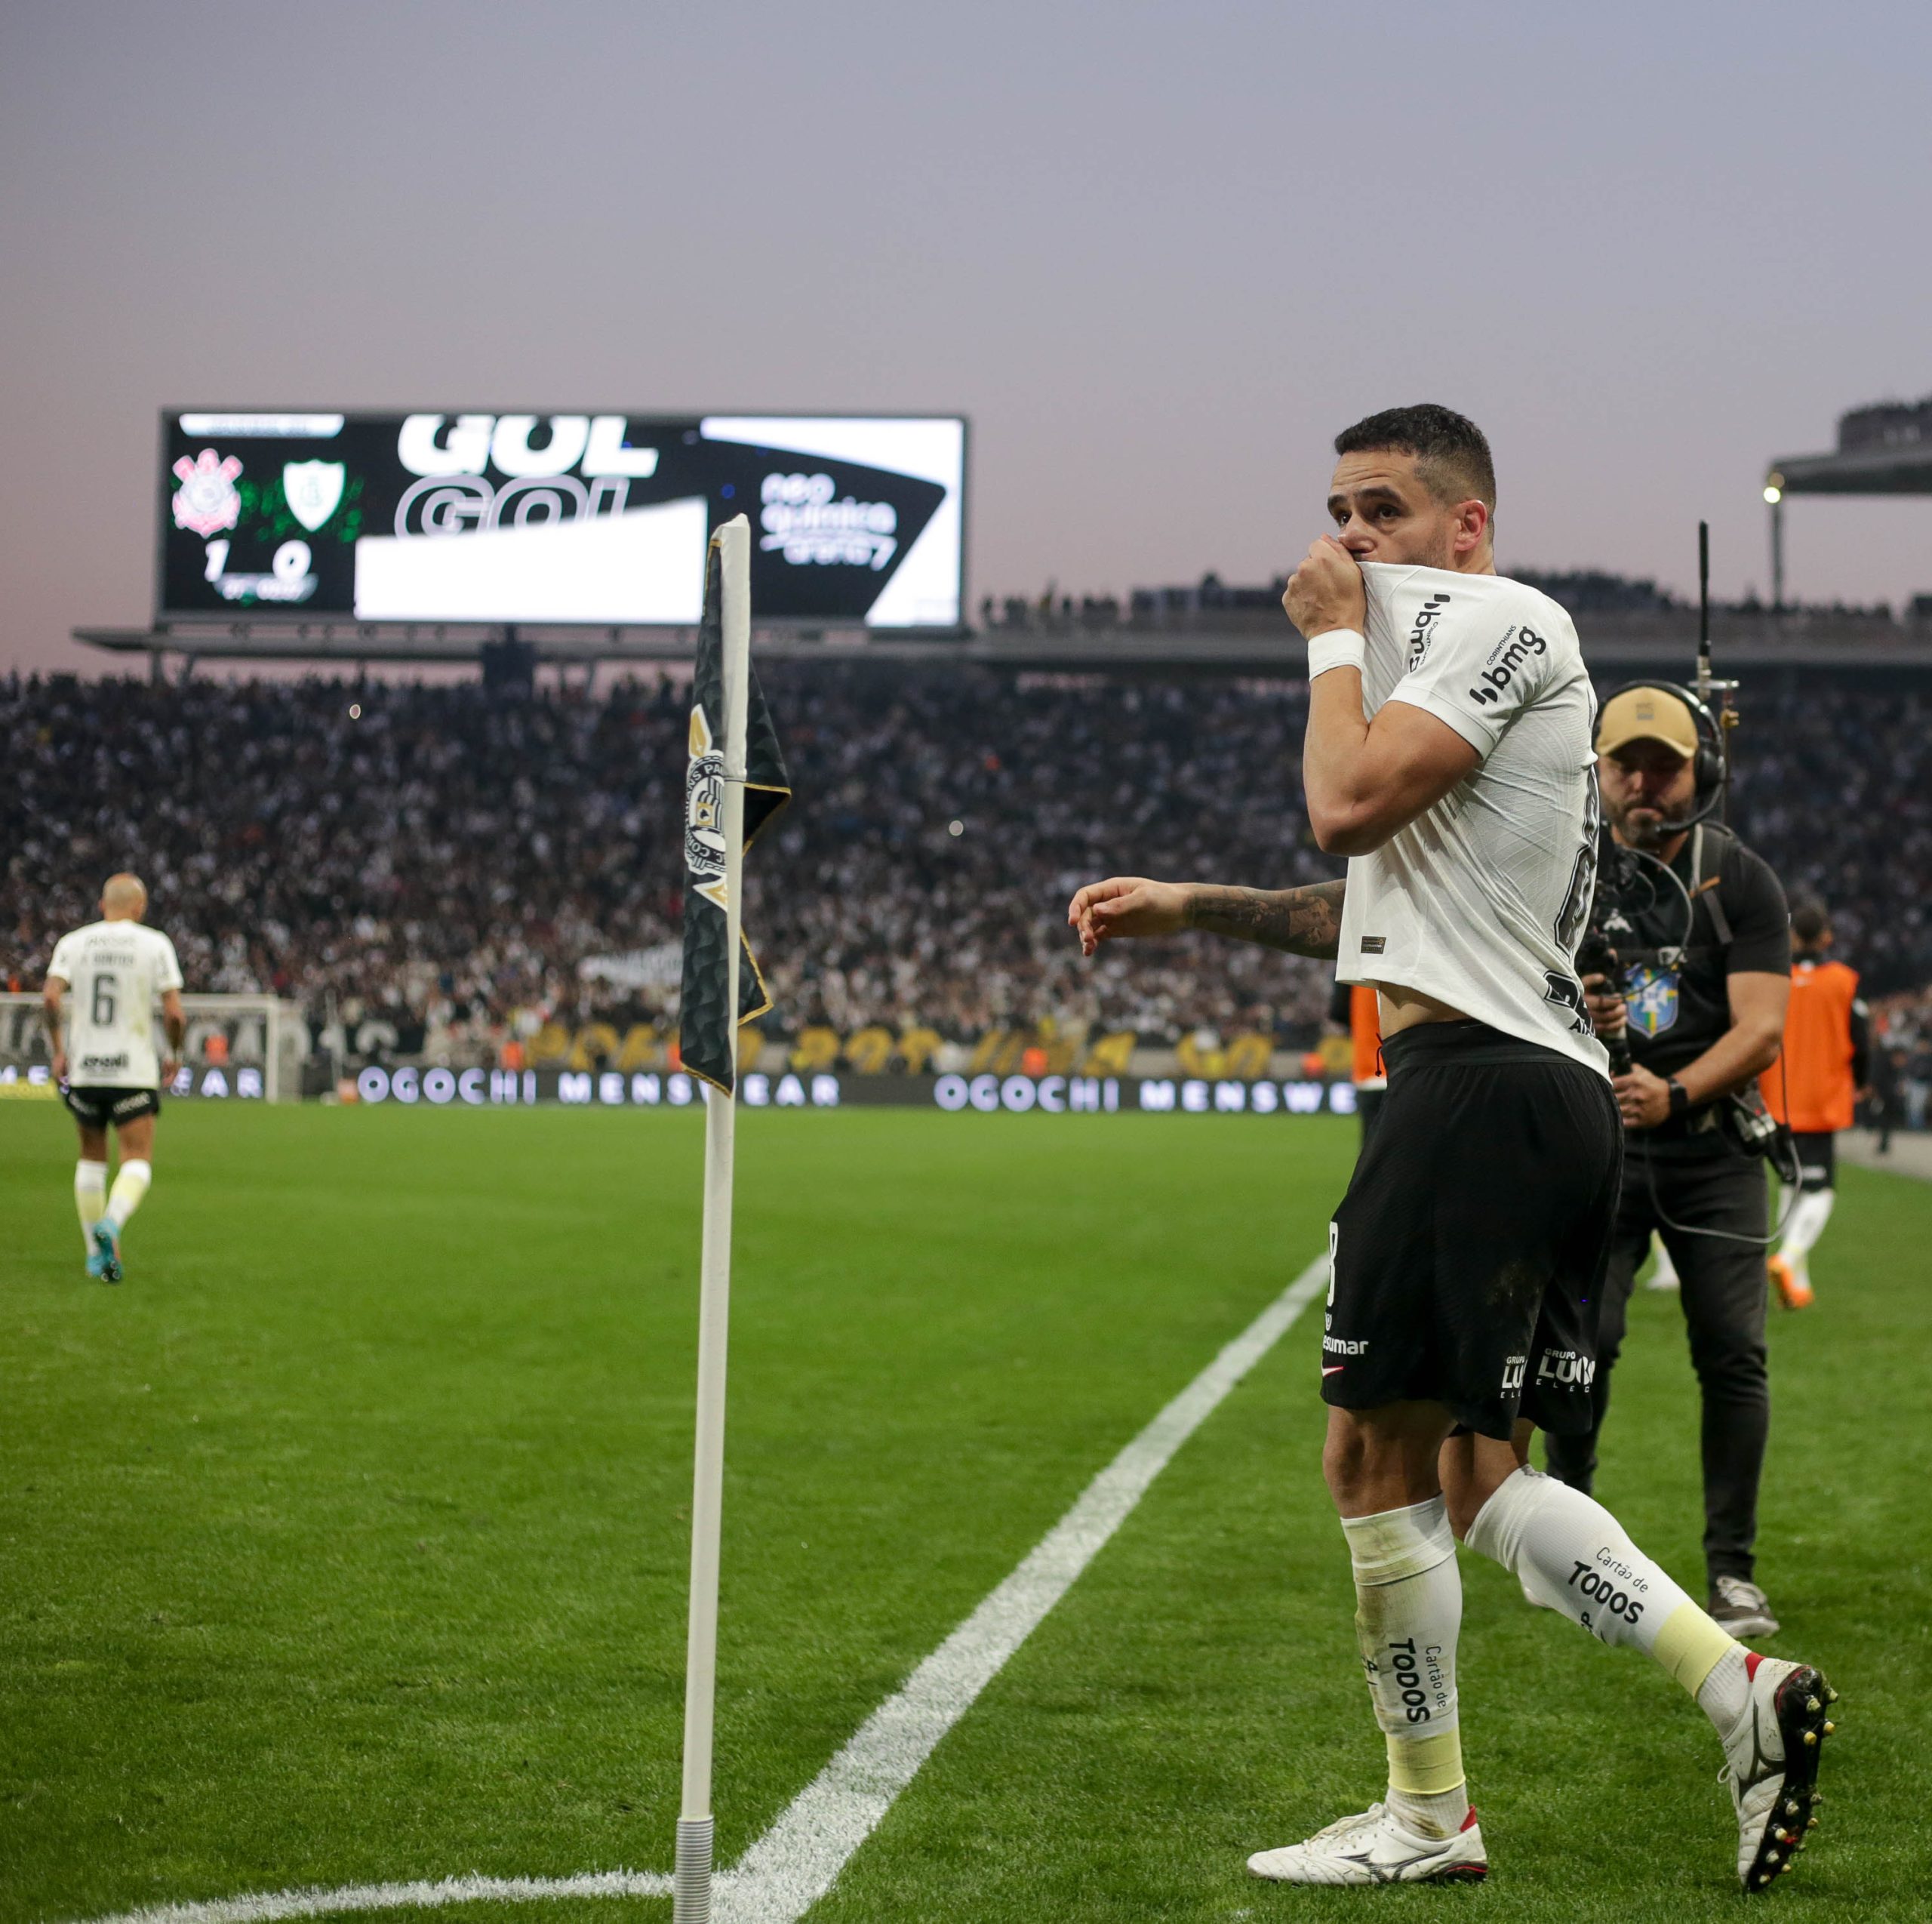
<point>1704,950</point>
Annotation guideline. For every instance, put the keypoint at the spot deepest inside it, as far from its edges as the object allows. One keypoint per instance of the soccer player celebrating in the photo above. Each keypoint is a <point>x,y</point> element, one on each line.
<point>1449,757</point>
<point>1813,1087</point>
<point>105,1062</point>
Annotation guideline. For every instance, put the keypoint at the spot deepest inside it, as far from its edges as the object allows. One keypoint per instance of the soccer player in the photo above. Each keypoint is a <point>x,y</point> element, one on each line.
<point>1449,757</point>
<point>1814,1088</point>
<point>105,1062</point>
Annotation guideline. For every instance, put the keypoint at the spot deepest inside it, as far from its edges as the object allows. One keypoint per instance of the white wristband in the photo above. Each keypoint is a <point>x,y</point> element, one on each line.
<point>1339,648</point>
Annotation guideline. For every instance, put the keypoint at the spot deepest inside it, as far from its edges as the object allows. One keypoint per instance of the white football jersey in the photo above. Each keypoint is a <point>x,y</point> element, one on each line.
<point>116,972</point>
<point>1480,900</point>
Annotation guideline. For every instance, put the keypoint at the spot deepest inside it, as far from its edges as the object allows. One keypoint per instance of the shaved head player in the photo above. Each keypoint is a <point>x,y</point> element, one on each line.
<point>104,1056</point>
<point>1449,756</point>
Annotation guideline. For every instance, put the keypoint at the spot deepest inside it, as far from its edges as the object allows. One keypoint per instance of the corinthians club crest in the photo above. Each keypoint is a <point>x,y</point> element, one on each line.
<point>704,811</point>
<point>313,489</point>
<point>207,501</point>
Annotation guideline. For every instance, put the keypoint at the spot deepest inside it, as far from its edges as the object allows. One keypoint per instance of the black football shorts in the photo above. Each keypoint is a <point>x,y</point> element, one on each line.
<point>1817,1158</point>
<point>1467,1257</point>
<point>96,1109</point>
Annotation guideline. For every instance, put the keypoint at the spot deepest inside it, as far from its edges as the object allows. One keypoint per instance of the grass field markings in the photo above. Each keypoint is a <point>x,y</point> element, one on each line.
<point>270,1905</point>
<point>797,1861</point>
<point>793,1865</point>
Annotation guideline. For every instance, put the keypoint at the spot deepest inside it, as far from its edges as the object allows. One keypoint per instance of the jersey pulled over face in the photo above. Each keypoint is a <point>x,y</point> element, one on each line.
<point>1480,902</point>
<point>115,971</point>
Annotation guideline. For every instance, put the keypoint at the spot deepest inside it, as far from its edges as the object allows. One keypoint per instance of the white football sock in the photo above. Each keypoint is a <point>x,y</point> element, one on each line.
<point>1408,1610</point>
<point>90,1197</point>
<point>1570,1552</point>
<point>1805,1224</point>
<point>1664,1276</point>
<point>130,1184</point>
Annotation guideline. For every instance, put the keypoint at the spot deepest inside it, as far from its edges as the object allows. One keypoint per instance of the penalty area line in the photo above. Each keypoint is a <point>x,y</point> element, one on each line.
<point>799,1858</point>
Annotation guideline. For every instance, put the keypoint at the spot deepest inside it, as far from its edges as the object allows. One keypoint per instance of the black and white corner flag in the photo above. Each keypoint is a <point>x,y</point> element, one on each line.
<point>707,1040</point>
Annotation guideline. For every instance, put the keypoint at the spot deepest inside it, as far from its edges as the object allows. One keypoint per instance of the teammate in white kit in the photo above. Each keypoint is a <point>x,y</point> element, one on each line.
<point>105,1059</point>
<point>1449,754</point>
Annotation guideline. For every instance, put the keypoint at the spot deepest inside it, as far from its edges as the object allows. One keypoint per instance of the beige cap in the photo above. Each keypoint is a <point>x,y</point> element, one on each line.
<point>1646,714</point>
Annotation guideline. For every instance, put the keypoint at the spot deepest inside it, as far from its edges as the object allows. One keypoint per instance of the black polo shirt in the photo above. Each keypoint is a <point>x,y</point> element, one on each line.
<point>1677,963</point>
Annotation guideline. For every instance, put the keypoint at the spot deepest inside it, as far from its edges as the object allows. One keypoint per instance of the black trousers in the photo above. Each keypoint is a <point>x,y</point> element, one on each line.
<point>1724,1295</point>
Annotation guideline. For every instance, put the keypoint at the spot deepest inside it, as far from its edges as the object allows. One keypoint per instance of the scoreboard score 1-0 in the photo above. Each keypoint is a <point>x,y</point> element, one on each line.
<point>558,518</point>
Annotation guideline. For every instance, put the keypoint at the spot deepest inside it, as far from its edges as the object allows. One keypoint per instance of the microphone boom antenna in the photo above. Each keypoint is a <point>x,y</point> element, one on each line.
<point>1704,612</point>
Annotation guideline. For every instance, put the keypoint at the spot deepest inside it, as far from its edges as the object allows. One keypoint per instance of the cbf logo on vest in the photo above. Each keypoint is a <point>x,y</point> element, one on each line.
<point>1652,999</point>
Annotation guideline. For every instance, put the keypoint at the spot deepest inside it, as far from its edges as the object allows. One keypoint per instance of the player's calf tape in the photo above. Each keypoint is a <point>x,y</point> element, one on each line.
<point>1396,1543</point>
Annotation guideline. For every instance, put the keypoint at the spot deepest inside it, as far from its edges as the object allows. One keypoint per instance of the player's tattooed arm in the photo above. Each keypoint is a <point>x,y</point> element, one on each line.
<point>1300,921</point>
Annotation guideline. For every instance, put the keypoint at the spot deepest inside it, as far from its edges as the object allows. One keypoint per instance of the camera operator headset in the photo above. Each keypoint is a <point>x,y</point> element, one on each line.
<point>1687,969</point>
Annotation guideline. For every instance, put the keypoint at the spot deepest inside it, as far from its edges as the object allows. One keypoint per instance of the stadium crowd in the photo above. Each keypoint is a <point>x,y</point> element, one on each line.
<point>443,858</point>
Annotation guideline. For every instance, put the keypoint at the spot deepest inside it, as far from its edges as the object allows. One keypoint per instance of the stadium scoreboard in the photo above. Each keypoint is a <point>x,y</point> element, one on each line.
<point>592,518</point>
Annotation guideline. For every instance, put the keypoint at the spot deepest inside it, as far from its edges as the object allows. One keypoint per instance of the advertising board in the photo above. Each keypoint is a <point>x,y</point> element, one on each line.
<point>558,518</point>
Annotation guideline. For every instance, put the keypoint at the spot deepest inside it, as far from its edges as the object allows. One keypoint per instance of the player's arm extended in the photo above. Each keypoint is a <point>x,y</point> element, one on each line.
<point>51,991</point>
<point>1299,921</point>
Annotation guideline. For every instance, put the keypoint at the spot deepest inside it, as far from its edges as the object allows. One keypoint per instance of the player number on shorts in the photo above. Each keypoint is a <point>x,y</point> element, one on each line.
<point>103,1002</point>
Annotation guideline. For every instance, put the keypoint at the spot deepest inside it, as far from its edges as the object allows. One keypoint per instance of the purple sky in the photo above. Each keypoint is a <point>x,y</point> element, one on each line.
<point>1159,252</point>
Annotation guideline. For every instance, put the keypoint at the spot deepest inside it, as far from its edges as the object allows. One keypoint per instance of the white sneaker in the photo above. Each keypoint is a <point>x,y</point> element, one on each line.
<point>1771,1765</point>
<point>1742,1608</point>
<point>1374,1848</point>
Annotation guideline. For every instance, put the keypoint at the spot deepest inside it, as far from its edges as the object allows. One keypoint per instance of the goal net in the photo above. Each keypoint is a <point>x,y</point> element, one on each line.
<point>250,1047</point>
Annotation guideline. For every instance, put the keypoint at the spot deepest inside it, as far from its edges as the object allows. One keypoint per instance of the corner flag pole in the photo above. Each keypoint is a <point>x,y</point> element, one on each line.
<point>691,1884</point>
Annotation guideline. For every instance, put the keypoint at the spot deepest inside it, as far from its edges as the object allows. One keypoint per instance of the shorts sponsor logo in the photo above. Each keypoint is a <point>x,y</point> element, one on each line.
<point>1513,1370</point>
<point>1374,945</point>
<point>1506,660</point>
<point>1566,1369</point>
<point>1342,1345</point>
<point>1605,1591</point>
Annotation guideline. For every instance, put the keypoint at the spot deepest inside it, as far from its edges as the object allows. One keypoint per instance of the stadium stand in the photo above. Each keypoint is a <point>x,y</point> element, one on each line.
<point>430,878</point>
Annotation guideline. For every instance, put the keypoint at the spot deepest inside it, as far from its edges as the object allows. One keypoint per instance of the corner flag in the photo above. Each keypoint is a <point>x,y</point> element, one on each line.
<point>736,784</point>
<point>706,1038</point>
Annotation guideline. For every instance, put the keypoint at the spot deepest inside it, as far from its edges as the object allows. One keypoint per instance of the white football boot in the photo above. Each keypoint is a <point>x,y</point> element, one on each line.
<point>1374,1847</point>
<point>1771,1765</point>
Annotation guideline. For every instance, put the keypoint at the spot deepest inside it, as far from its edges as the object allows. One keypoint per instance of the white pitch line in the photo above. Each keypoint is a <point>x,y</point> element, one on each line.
<point>796,1861</point>
<point>269,1906</point>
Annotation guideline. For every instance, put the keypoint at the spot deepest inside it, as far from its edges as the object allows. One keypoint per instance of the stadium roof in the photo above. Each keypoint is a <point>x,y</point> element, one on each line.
<point>1885,449</point>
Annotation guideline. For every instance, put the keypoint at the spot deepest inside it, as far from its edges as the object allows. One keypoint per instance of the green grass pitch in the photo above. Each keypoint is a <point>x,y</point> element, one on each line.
<point>346,1541</point>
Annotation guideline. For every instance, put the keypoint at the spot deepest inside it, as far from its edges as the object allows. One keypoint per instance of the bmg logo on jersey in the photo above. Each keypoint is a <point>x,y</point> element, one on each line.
<point>1423,632</point>
<point>1506,661</point>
